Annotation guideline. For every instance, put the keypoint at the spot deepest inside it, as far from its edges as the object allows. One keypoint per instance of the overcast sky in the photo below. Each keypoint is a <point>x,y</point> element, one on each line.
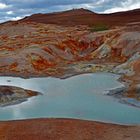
<point>16,9</point>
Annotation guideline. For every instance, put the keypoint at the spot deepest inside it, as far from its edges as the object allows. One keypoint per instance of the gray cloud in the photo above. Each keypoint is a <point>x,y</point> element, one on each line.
<point>15,9</point>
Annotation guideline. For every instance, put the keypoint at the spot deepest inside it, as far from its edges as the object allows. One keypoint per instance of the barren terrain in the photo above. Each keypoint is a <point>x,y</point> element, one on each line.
<point>66,129</point>
<point>47,45</point>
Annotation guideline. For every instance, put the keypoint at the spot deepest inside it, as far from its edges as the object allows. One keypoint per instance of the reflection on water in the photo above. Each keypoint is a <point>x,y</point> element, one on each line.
<point>76,97</point>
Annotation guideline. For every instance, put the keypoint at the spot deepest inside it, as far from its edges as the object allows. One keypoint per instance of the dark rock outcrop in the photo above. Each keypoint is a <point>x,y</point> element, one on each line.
<point>14,95</point>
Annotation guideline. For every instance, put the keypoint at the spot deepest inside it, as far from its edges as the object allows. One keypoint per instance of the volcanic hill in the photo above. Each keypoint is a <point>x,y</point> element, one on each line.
<point>85,17</point>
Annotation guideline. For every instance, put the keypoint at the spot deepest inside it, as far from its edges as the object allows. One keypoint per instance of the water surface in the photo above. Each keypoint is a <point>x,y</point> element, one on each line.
<point>79,97</point>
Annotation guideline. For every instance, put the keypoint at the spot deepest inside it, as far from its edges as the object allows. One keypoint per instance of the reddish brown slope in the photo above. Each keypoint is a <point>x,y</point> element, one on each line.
<point>71,17</point>
<point>85,17</point>
<point>65,129</point>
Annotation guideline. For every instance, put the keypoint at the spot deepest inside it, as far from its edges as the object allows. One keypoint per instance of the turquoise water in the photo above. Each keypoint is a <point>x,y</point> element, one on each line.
<point>79,97</point>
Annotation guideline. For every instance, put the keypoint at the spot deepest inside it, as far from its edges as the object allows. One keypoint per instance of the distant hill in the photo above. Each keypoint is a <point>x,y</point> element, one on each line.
<point>85,17</point>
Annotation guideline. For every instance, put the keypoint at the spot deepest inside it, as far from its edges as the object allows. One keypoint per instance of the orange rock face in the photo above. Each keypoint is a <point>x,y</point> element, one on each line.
<point>50,46</point>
